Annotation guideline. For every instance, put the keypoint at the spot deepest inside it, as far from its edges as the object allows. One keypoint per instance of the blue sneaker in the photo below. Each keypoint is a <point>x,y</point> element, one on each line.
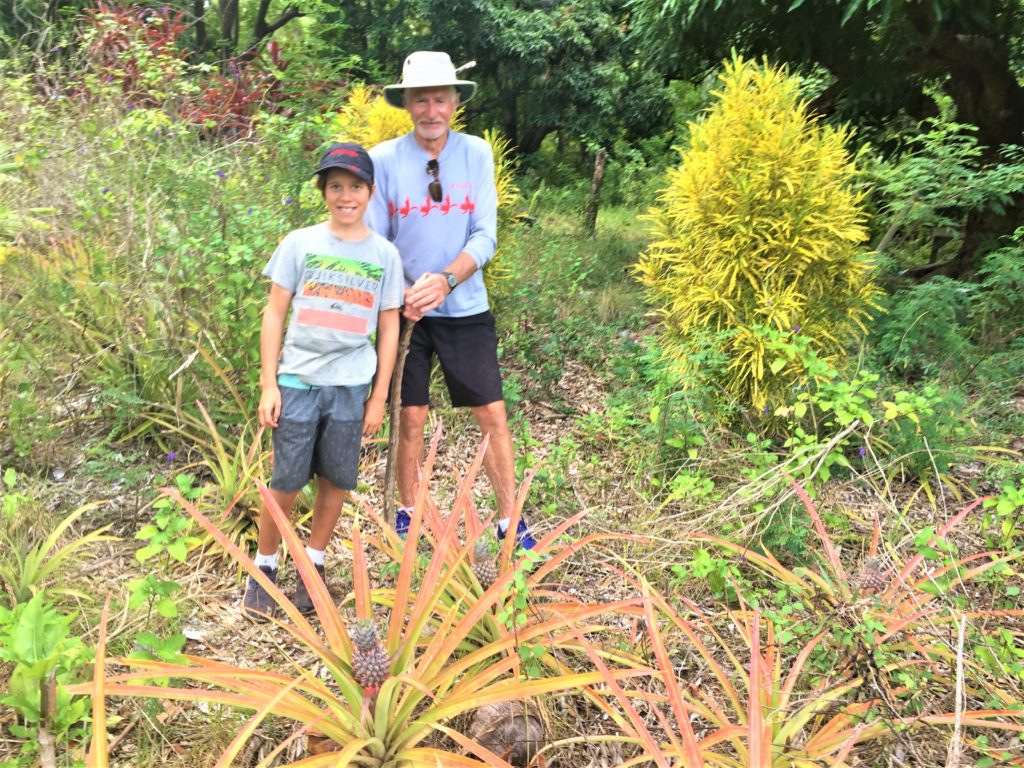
<point>523,537</point>
<point>402,521</point>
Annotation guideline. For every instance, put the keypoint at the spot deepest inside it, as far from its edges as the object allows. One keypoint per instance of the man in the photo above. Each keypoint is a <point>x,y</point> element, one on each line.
<point>437,203</point>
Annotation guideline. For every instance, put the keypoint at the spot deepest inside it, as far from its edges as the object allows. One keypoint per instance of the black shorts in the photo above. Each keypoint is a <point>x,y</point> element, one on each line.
<point>467,349</point>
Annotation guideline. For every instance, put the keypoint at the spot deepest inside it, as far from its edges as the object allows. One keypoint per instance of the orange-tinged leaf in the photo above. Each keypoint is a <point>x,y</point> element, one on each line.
<point>360,576</point>
<point>231,752</point>
<point>326,611</point>
<point>679,708</point>
<point>97,756</point>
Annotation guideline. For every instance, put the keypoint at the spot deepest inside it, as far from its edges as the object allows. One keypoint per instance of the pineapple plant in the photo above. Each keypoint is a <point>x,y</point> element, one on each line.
<point>872,577</point>
<point>370,663</point>
<point>760,233</point>
<point>484,567</point>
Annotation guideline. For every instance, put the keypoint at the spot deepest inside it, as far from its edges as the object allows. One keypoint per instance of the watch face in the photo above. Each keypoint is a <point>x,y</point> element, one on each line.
<point>452,282</point>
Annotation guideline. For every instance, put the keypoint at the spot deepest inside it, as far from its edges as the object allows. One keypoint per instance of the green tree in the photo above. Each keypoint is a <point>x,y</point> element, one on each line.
<point>544,66</point>
<point>880,55</point>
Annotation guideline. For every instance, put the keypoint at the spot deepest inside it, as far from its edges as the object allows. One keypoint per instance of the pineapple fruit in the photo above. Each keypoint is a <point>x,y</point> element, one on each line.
<point>483,563</point>
<point>872,577</point>
<point>370,663</point>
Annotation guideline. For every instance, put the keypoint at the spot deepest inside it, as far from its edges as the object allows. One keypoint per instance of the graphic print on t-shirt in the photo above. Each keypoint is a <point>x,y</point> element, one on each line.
<point>345,285</point>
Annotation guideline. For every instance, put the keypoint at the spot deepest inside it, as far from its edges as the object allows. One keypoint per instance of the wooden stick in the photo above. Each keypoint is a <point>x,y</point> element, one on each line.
<point>47,709</point>
<point>395,405</point>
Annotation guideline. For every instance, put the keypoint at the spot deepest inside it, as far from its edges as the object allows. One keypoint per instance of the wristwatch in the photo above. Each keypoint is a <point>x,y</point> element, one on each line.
<point>452,282</point>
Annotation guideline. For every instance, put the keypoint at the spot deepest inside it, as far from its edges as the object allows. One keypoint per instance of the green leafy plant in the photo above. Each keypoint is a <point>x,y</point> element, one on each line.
<point>760,228</point>
<point>36,640</point>
<point>169,535</point>
<point>155,594</point>
<point>1004,519</point>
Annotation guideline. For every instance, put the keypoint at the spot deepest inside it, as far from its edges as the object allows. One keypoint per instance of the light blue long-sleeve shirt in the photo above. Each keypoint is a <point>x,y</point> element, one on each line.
<point>430,235</point>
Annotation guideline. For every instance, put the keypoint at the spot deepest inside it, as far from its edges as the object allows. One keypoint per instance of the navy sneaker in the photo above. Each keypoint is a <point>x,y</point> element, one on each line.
<point>523,537</point>
<point>301,598</point>
<point>402,521</point>
<point>257,604</point>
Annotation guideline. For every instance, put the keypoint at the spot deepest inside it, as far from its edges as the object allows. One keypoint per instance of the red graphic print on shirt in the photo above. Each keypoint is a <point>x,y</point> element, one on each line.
<point>467,206</point>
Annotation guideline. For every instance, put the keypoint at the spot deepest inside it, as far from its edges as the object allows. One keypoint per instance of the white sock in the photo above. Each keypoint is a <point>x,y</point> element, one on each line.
<point>503,524</point>
<point>269,561</point>
<point>318,556</point>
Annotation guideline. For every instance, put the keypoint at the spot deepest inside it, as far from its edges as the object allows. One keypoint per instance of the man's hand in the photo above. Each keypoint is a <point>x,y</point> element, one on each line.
<point>373,416</point>
<point>425,295</point>
<point>270,406</point>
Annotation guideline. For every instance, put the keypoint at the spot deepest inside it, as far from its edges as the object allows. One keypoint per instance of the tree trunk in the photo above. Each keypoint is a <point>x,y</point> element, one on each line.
<point>590,223</point>
<point>981,81</point>
<point>199,14</point>
<point>531,138</point>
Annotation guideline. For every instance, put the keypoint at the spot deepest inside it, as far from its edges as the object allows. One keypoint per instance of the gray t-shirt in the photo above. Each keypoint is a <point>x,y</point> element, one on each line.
<point>338,287</point>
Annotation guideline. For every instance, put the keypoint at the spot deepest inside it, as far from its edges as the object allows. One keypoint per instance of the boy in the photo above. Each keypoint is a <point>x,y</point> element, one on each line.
<point>341,282</point>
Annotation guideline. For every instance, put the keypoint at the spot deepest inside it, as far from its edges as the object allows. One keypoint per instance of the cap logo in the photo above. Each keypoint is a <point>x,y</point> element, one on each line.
<point>342,151</point>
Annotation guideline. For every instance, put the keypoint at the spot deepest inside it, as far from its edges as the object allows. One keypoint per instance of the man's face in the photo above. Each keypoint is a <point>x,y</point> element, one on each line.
<point>431,110</point>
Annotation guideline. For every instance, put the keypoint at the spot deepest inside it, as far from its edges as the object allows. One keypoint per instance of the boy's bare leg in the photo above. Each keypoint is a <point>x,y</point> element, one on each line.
<point>499,461</point>
<point>326,511</point>
<point>410,451</point>
<point>270,538</point>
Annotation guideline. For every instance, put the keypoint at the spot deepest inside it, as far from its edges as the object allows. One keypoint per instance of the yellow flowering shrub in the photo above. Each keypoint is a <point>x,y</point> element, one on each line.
<point>760,228</point>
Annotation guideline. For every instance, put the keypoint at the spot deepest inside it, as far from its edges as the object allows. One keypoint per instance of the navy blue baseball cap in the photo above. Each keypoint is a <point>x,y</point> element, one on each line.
<point>347,156</point>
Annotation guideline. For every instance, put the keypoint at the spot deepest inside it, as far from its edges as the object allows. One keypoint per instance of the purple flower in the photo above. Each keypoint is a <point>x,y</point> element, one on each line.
<point>129,107</point>
<point>862,451</point>
<point>796,329</point>
<point>171,456</point>
<point>765,411</point>
<point>249,212</point>
<point>287,201</point>
<point>768,302</point>
<point>221,174</point>
<point>106,190</point>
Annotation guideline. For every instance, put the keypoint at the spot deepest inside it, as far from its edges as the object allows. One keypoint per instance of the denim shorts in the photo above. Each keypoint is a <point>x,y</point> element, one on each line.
<point>319,433</point>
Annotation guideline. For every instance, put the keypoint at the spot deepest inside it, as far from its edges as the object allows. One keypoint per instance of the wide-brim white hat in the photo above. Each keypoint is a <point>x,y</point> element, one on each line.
<point>429,69</point>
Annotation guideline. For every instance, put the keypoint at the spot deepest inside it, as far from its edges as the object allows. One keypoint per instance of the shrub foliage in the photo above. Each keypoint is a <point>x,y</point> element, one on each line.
<point>760,227</point>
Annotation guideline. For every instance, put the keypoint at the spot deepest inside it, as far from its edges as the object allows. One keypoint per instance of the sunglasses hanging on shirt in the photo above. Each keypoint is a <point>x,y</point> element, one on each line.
<point>434,187</point>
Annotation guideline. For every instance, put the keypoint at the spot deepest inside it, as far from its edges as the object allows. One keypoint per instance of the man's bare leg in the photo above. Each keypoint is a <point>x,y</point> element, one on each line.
<point>499,461</point>
<point>410,451</point>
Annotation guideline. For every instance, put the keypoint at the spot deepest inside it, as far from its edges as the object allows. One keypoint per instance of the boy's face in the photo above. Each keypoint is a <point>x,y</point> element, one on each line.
<point>346,196</point>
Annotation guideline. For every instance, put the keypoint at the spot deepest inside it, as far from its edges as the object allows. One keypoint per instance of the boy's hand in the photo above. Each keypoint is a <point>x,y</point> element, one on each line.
<point>373,416</point>
<point>270,406</point>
